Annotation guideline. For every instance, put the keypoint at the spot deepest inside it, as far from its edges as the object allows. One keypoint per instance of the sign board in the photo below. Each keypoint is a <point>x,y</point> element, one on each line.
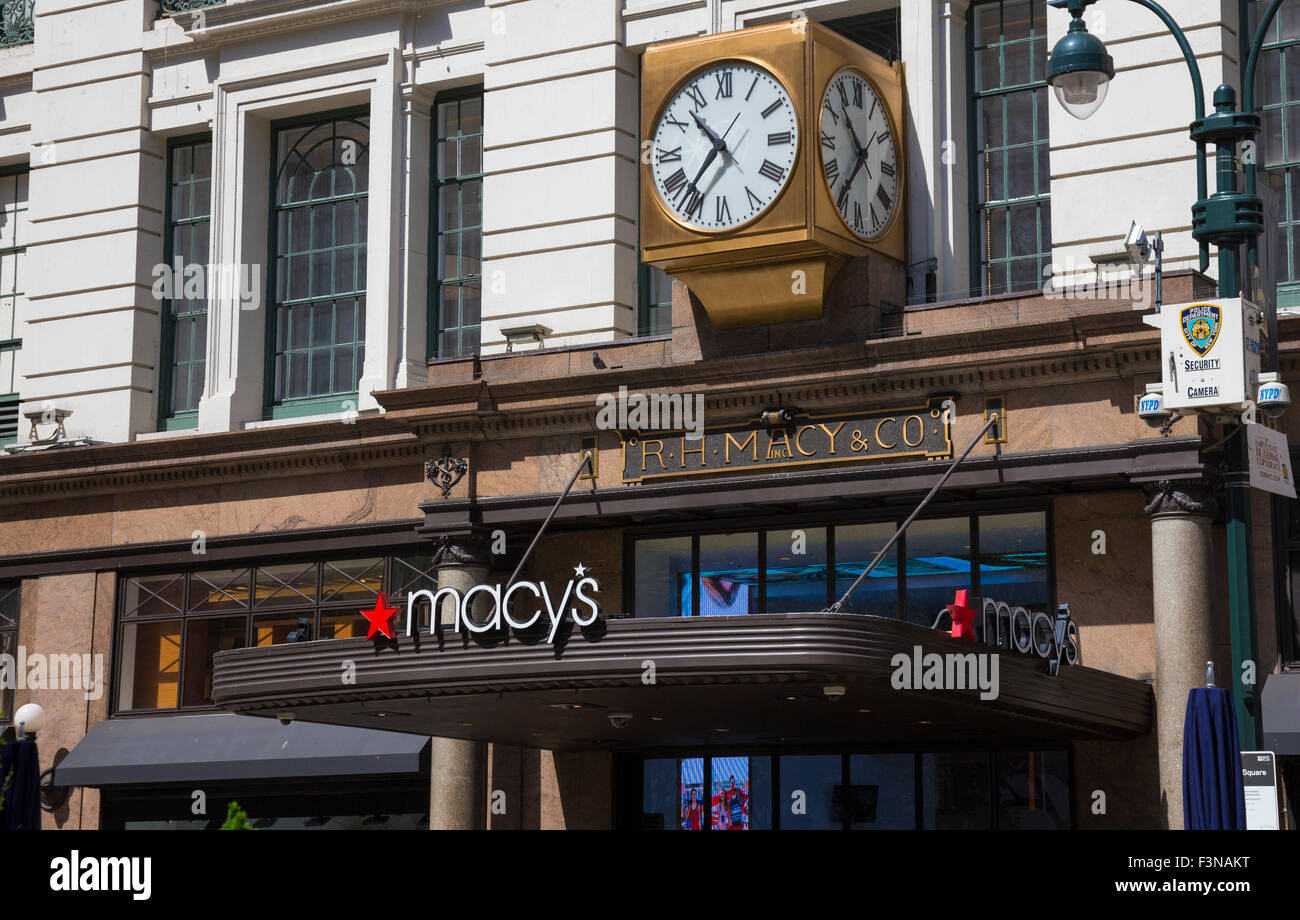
<point>1259,777</point>
<point>916,432</point>
<point>1209,353</point>
<point>1270,461</point>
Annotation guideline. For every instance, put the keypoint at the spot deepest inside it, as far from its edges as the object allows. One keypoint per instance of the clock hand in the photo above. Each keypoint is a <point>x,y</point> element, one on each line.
<point>857,145</point>
<point>707,160</point>
<point>707,130</point>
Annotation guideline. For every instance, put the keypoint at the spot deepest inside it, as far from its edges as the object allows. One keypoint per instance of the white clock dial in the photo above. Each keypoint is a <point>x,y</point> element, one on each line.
<point>725,146</point>
<point>859,159</point>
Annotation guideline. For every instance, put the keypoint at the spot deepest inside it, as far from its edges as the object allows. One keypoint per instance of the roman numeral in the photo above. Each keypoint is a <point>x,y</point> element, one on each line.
<point>772,108</point>
<point>754,200</point>
<point>874,219</point>
<point>723,212</point>
<point>835,118</point>
<point>694,204</point>
<point>874,100</point>
<point>782,138</point>
<point>696,96</point>
<point>827,141</point>
<point>669,156</point>
<point>832,171</point>
<point>724,85</point>
<point>674,182</point>
<point>751,89</point>
<point>883,136</point>
<point>842,199</point>
<point>680,124</point>
<point>844,97</point>
<point>857,216</point>
<point>771,171</point>
<point>887,168</point>
<point>883,195</point>
<point>857,94</point>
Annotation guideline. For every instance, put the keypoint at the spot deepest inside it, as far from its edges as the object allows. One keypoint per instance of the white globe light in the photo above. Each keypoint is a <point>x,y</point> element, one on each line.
<point>1081,93</point>
<point>31,717</point>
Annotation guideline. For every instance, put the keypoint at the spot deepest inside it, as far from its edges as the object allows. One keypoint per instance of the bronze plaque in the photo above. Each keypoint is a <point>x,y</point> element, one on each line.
<point>917,433</point>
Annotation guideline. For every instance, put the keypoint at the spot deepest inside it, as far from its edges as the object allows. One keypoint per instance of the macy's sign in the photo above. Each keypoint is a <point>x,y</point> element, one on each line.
<point>469,610</point>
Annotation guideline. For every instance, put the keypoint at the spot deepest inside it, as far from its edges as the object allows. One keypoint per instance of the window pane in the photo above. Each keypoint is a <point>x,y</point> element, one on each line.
<point>742,793</point>
<point>356,580</point>
<point>855,546</point>
<point>807,798</point>
<point>1013,558</point>
<point>955,791</point>
<point>224,589</point>
<point>346,626</point>
<point>882,792</point>
<point>693,814</point>
<point>1033,791</point>
<point>153,595</point>
<point>796,570</point>
<point>661,795</point>
<point>150,666</point>
<point>203,639</point>
<point>663,569</point>
<point>938,564</point>
<point>278,585</point>
<point>276,628</point>
<point>728,574</point>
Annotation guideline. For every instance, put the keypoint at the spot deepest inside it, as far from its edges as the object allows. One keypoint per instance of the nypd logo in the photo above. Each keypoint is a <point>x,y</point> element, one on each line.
<point>1201,323</point>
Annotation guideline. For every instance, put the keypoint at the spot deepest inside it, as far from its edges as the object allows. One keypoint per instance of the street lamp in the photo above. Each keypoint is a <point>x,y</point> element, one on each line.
<point>1080,71</point>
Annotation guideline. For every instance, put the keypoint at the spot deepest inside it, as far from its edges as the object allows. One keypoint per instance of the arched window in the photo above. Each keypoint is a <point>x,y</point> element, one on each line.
<point>319,311</point>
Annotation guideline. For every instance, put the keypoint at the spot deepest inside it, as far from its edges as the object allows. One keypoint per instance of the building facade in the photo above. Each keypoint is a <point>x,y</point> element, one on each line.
<point>328,304</point>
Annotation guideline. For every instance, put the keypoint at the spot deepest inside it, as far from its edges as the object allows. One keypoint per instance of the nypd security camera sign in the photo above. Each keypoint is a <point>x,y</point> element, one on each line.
<point>1209,354</point>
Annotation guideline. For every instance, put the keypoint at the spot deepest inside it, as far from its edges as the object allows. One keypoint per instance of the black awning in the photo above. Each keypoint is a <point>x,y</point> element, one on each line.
<point>1281,711</point>
<point>224,746</point>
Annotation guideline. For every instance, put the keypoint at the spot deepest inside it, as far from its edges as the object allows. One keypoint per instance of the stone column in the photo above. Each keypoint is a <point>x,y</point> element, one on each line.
<point>458,768</point>
<point>1182,563</point>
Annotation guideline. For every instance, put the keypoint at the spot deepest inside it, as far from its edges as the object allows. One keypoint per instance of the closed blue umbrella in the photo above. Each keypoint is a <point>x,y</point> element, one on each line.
<point>21,767</point>
<point>1213,799</point>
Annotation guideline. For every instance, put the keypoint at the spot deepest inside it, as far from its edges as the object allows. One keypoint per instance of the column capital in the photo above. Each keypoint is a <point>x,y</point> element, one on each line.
<point>467,549</point>
<point>1179,497</point>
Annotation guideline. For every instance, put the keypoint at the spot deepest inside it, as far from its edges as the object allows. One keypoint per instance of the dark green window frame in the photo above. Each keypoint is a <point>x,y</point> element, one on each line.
<point>188,218</point>
<point>1278,98</point>
<point>654,311</point>
<point>15,250</point>
<point>1011,221</point>
<point>316,292</point>
<point>456,225</point>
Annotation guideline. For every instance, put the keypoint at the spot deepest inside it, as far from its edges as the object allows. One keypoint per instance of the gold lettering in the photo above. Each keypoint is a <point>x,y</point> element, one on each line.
<point>798,446</point>
<point>751,441</point>
<point>685,452</point>
<point>831,434</point>
<point>771,442</point>
<point>658,452</point>
<point>880,442</point>
<point>919,424</point>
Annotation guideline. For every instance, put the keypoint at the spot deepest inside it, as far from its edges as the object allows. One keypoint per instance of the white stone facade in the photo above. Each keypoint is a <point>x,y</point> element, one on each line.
<point>90,107</point>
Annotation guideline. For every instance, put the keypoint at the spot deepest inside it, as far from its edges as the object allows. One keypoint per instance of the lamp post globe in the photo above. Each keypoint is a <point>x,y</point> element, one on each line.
<point>30,717</point>
<point>1080,70</point>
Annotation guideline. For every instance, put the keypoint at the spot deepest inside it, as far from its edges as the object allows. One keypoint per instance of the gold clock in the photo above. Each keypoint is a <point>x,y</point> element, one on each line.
<point>738,199</point>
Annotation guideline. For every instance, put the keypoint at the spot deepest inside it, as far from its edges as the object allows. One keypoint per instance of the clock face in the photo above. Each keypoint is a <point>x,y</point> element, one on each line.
<point>725,146</point>
<point>859,159</point>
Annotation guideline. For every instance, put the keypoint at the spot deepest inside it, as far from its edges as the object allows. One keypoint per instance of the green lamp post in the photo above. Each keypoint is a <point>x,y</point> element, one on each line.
<point>1080,72</point>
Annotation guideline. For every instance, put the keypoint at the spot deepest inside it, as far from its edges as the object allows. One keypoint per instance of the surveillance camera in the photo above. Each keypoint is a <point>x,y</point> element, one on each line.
<point>1151,407</point>
<point>1136,244</point>
<point>1274,395</point>
<point>833,692</point>
<point>620,719</point>
<point>775,417</point>
<point>286,717</point>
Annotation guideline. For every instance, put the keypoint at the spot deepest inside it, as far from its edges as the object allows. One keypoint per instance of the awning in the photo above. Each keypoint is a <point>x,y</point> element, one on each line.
<point>224,746</point>
<point>1281,711</point>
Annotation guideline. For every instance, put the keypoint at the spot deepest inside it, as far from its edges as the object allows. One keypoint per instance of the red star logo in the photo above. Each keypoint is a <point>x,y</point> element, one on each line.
<point>963,617</point>
<point>380,617</point>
